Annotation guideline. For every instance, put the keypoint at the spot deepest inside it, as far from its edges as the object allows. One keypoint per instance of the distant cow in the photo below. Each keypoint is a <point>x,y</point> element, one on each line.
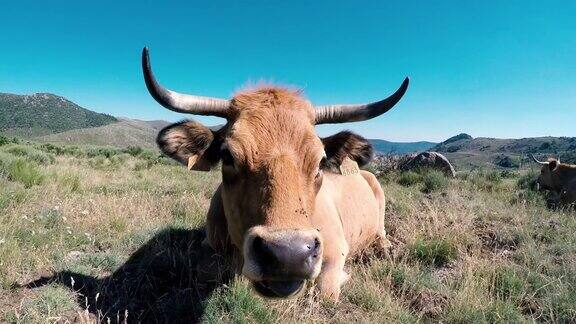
<point>292,206</point>
<point>559,178</point>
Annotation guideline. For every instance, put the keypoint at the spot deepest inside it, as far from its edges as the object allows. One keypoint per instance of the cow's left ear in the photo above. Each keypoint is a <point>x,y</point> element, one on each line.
<point>347,144</point>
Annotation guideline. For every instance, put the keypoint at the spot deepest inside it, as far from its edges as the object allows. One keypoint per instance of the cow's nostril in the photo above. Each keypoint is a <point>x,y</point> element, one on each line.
<point>262,251</point>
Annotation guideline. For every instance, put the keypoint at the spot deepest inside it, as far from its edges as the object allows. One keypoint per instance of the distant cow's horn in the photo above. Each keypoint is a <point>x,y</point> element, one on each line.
<point>333,114</point>
<point>536,160</point>
<point>179,102</point>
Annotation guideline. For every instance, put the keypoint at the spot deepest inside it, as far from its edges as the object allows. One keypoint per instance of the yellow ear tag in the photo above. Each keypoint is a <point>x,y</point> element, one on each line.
<point>349,167</point>
<point>191,161</point>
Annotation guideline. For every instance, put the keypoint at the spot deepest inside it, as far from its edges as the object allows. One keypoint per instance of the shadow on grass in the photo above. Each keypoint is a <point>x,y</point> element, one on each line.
<point>166,280</point>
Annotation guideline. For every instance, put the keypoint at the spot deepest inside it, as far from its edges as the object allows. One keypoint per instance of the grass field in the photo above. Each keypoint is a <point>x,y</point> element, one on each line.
<point>89,234</point>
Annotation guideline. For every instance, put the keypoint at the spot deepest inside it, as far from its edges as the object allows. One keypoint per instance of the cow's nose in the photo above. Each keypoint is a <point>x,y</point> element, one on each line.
<point>295,258</point>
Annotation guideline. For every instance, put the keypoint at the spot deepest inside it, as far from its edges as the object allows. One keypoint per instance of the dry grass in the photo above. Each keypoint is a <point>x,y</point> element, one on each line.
<point>112,236</point>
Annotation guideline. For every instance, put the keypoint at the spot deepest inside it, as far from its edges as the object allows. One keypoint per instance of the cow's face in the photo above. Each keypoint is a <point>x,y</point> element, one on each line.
<point>546,178</point>
<point>272,169</point>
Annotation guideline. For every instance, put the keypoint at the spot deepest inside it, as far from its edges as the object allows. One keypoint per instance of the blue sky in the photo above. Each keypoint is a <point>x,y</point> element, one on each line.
<point>487,68</point>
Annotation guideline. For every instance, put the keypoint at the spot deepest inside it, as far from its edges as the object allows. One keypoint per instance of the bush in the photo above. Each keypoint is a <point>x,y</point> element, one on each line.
<point>494,176</point>
<point>434,180</point>
<point>102,163</point>
<point>106,152</point>
<point>30,154</point>
<point>4,140</point>
<point>506,161</point>
<point>25,172</point>
<point>527,181</point>
<point>436,252</point>
<point>409,178</point>
<point>133,150</point>
<point>507,174</point>
<point>485,180</point>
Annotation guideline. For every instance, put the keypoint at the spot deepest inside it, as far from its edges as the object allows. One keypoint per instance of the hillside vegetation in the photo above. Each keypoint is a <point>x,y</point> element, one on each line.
<point>43,113</point>
<point>466,152</point>
<point>124,133</point>
<point>95,233</point>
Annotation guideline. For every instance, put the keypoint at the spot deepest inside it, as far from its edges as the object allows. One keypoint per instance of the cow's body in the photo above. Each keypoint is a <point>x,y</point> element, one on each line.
<point>349,212</point>
<point>283,207</point>
<point>559,178</point>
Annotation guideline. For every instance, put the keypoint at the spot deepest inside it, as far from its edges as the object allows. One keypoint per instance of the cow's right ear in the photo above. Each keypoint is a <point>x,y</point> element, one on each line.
<point>191,144</point>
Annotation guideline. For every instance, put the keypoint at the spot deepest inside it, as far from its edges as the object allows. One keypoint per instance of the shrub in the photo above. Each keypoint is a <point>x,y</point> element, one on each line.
<point>25,172</point>
<point>436,252</point>
<point>434,180</point>
<point>527,181</point>
<point>4,140</point>
<point>409,178</point>
<point>30,154</point>
<point>507,174</point>
<point>133,150</point>
<point>506,161</point>
<point>485,180</point>
<point>493,176</point>
<point>106,152</point>
<point>106,164</point>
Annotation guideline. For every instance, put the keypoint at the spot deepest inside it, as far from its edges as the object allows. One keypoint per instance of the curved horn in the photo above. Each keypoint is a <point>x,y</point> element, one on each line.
<point>536,160</point>
<point>333,114</point>
<point>179,102</point>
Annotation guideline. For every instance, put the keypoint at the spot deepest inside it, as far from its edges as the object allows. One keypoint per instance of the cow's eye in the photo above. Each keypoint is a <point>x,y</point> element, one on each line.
<point>321,166</point>
<point>227,158</point>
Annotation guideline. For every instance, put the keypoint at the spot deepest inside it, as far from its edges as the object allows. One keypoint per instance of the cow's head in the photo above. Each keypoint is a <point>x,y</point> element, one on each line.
<point>272,168</point>
<point>548,179</point>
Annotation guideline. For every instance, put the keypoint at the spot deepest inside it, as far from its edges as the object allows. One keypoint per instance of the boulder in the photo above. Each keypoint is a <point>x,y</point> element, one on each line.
<point>429,160</point>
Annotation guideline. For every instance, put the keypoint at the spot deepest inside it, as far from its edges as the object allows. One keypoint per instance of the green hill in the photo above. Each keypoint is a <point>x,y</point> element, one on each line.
<point>43,113</point>
<point>126,132</point>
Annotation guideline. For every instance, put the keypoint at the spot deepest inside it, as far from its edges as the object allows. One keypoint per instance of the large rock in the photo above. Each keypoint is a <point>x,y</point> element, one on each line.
<point>430,160</point>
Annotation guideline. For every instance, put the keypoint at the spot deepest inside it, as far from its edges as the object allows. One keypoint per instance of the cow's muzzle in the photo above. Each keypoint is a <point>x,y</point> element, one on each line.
<point>280,261</point>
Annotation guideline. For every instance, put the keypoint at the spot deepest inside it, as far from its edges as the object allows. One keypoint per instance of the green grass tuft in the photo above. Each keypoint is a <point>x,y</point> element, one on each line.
<point>22,171</point>
<point>409,178</point>
<point>434,180</point>
<point>237,304</point>
<point>434,252</point>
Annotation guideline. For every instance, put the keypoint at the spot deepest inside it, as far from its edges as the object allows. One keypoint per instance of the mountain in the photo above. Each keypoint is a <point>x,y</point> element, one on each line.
<point>464,151</point>
<point>126,132</point>
<point>43,113</point>
<point>386,147</point>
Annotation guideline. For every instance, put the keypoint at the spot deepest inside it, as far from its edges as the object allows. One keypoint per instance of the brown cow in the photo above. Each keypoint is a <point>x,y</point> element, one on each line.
<point>559,178</point>
<point>283,206</point>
